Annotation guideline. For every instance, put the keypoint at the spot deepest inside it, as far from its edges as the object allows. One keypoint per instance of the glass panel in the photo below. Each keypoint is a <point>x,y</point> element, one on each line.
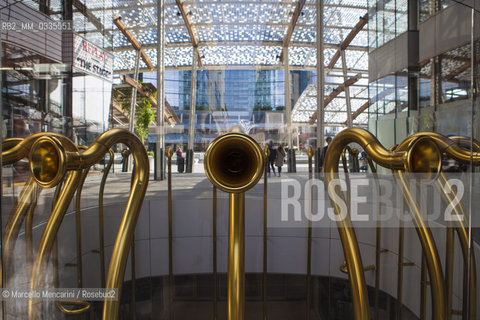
<point>249,66</point>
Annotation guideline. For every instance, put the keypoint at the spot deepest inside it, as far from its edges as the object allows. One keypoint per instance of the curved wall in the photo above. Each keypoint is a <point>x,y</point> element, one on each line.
<point>192,242</point>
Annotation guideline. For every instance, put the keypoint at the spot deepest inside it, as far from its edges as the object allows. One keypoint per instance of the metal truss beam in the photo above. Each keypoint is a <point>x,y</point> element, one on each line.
<point>135,44</point>
<point>291,27</point>
<point>244,43</point>
<point>333,95</point>
<point>348,39</point>
<point>191,33</point>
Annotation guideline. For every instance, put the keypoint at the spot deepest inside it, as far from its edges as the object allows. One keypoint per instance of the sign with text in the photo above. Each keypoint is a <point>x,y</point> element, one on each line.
<point>91,59</point>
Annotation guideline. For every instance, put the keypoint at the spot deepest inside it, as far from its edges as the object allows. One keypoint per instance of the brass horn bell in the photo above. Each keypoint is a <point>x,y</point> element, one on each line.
<point>234,163</point>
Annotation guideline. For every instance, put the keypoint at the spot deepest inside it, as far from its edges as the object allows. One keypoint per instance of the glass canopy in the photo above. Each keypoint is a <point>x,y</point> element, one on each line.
<point>240,33</point>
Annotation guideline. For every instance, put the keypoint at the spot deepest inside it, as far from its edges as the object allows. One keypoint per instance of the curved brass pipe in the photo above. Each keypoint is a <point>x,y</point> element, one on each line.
<point>457,148</point>
<point>29,230</point>
<point>310,154</point>
<point>8,144</point>
<point>398,161</point>
<point>83,306</point>
<point>429,249</point>
<point>13,150</point>
<point>266,153</point>
<point>234,163</point>
<point>352,153</point>
<point>100,218</point>
<point>78,222</point>
<point>425,157</point>
<point>171,278</point>
<point>461,229</point>
<point>18,148</point>
<point>462,233</point>
<point>348,237</point>
<point>450,147</point>
<point>15,221</point>
<point>46,175</point>
<point>378,240</point>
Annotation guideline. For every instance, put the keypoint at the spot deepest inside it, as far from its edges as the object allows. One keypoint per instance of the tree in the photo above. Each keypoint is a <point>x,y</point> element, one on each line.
<point>145,116</point>
<point>143,111</point>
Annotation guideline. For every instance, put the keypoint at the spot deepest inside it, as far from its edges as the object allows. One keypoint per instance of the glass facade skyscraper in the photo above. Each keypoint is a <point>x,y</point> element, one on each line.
<point>225,98</point>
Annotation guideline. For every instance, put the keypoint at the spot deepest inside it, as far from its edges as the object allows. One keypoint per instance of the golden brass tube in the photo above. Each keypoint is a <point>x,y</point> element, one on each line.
<point>234,163</point>
<point>449,269</point>
<point>50,158</point>
<point>398,161</point>
<point>56,277</point>
<point>214,262</point>
<point>236,257</point>
<point>457,148</point>
<point>14,215</point>
<point>78,223</point>
<point>266,153</point>
<point>8,144</point>
<point>133,315</point>
<point>310,154</point>
<point>423,289</point>
<point>470,283</point>
<point>15,221</point>
<point>83,306</point>
<point>100,218</point>
<point>348,238</point>
<point>432,258</point>
<point>45,247</point>
<point>78,228</point>
<point>29,231</point>
<point>448,146</point>
<point>132,210</point>
<point>401,245</point>
<point>424,156</point>
<point>378,241</point>
<point>171,282</point>
<point>16,148</point>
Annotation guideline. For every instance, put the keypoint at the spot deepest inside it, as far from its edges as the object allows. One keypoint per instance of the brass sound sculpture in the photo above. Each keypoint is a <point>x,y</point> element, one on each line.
<point>53,157</point>
<point>171,279</point>
<point>101,227</point>
<point>378,241</point>
<point>353,153</point>
<point>266,152</point>
<point>420,155</point>
<point>78,222</point>
<point>214,255</point>
<point>310,154</point>
<point>234,164</point>
<point>24,206</point>
<point>456,148</point>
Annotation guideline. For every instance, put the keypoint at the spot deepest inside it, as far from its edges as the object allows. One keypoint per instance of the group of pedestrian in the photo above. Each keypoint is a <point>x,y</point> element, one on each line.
<point>276,158</point>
